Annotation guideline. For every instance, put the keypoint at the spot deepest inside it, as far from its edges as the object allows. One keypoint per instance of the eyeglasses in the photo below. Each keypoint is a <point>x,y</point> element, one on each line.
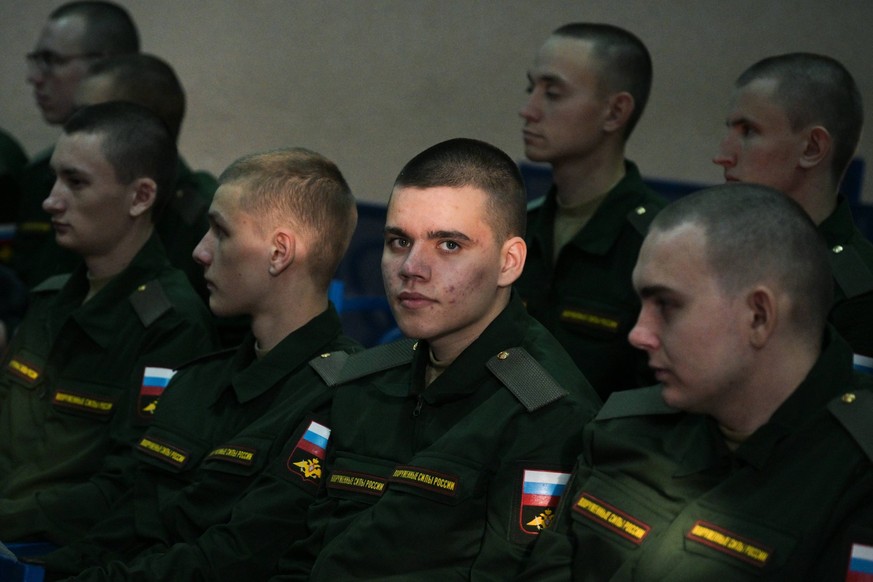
<point>47,61</point>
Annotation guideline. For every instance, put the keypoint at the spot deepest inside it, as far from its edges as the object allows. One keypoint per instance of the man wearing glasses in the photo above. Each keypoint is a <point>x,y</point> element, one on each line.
<point>76,34</point>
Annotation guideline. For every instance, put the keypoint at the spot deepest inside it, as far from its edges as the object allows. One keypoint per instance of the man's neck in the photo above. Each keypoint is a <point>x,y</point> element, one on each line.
<point>581,181</point>
<point>817,197</point>
<point>112,263</point>
<point>279,319</point>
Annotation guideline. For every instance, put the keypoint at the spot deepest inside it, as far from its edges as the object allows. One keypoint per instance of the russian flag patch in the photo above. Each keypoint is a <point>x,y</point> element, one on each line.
<point>307,458</point>
<point>860,564</point>
<point>540,494</point>
<point>154,382</point>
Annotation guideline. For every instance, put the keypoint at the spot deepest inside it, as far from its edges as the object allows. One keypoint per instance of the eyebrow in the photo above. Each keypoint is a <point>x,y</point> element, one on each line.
<point>431,234</point>
<point>652,290</point>
<point>549,78</point>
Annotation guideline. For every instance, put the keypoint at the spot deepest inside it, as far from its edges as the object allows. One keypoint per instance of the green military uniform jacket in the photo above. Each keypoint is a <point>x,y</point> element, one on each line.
<point>428,483</point>
<point>852,265</point>
<point>657,495</point>
<point>36,256</point>
<point>586,298</point>
<point>72,390</point>
<point>222,421</point>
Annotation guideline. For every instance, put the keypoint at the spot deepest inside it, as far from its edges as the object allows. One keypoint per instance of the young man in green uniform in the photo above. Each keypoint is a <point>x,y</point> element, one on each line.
<point>588,87</point>
<point>75,388</point>
<point>76,34</point>
<point>751,458</point>
<point>279,226</point>
<point>437,440</point>
<point>793,124</point>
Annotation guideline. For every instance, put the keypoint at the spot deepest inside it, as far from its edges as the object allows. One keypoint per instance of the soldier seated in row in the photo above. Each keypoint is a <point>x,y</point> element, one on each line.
<point>753,457</point>
<point>82,372</point>
<point>440,442</point>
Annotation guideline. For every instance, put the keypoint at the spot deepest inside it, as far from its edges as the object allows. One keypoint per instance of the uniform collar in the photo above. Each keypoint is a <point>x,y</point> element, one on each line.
<point>255,377</point>
<point>468,372</point>
<point>99,317</point>
<point>838,227</point>
<point>605,226</point>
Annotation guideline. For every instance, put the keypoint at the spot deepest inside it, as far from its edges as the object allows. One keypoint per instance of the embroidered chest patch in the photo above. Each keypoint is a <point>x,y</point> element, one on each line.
<point>173,455</point>
<point>590,319</point>
<point>154,381</point>
<point>358,482</point>
<point>729,543</point>
<point>540,495</point>
<point>307,458</point>
<point>612,518</point>
<point>233,454</point>
<point>442,483</point>
<point>84,403</point>
<point>24,370</point>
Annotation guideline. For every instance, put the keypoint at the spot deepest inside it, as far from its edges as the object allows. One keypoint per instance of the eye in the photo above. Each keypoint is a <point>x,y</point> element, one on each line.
<point>450,246</point>
<point>397,242</point>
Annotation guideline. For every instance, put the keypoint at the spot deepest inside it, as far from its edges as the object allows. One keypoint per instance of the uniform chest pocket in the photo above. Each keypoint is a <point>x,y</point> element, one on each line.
<point>439,478</point>
<point>358,478</point>
<point>242,456</point>
<point>737,540</point>
<point>616,512</point>
<point>168,451</point>
<point>594,319</point>
<point>86,398</point>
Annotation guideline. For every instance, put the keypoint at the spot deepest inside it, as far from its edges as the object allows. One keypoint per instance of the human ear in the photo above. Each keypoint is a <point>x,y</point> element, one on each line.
<point>513,253</point>
<point>621,107</point>
<point>283,251</point>
<point>817,148</point>
<point>763,316</point>
<point>143,196</point>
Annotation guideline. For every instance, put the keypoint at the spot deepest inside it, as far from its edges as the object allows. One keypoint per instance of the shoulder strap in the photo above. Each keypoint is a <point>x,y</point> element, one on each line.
<point>377,359</point>
<point>641,217</point>
<point>854,410</point>
<point>329,365</point>
<point>638,402</point>
<point>150,302</point>
<point>850,272</point>
<point>526,378</point>
<point>53,283</point>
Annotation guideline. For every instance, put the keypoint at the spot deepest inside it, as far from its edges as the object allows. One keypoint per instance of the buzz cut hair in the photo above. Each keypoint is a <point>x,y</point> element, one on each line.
<point>462,162</point>
<point>755,234</point>
<point>145,80</point>
<point>109,29</point>
<point>814,89</point>
<point>625,62</point>
<point>135,142</point>
<point>303,189</point>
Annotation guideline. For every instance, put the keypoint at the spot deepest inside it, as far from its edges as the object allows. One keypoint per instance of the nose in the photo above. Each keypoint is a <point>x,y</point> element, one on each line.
<point>531,110</point>
<point>724,158</point>
<point>414,266</point>
<point>54,202</point>
<point>643,336</point>
<point>203,251</point>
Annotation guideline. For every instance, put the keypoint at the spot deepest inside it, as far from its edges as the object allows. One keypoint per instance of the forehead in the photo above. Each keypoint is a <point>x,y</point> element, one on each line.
<point>565,57</point>
<point>83,151</point>
<point>437,208</point>
<point>673,259</point>
<point>63,35</point>
<point>226,201</point>
<point>758,99</point>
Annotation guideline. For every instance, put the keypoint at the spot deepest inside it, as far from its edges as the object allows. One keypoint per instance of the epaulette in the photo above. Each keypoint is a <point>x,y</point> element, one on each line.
<point>536,203</point>
<point>851,273</point>
<point>150,302</point>
<point>53,283</point>
<point>638,402</point>
<point>329,365</point>
<point>525,378</point>
<point>377,359</point>
<point>854,410</point>
<point>188,204</point>
<point>642,216</point>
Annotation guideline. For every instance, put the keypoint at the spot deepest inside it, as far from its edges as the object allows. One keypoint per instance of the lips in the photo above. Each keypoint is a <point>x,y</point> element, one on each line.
<point>529,135</point>
<point>412,300</point>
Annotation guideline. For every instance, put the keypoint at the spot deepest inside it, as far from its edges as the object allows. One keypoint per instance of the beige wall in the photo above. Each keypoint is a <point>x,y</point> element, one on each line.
<point>371,83</point>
